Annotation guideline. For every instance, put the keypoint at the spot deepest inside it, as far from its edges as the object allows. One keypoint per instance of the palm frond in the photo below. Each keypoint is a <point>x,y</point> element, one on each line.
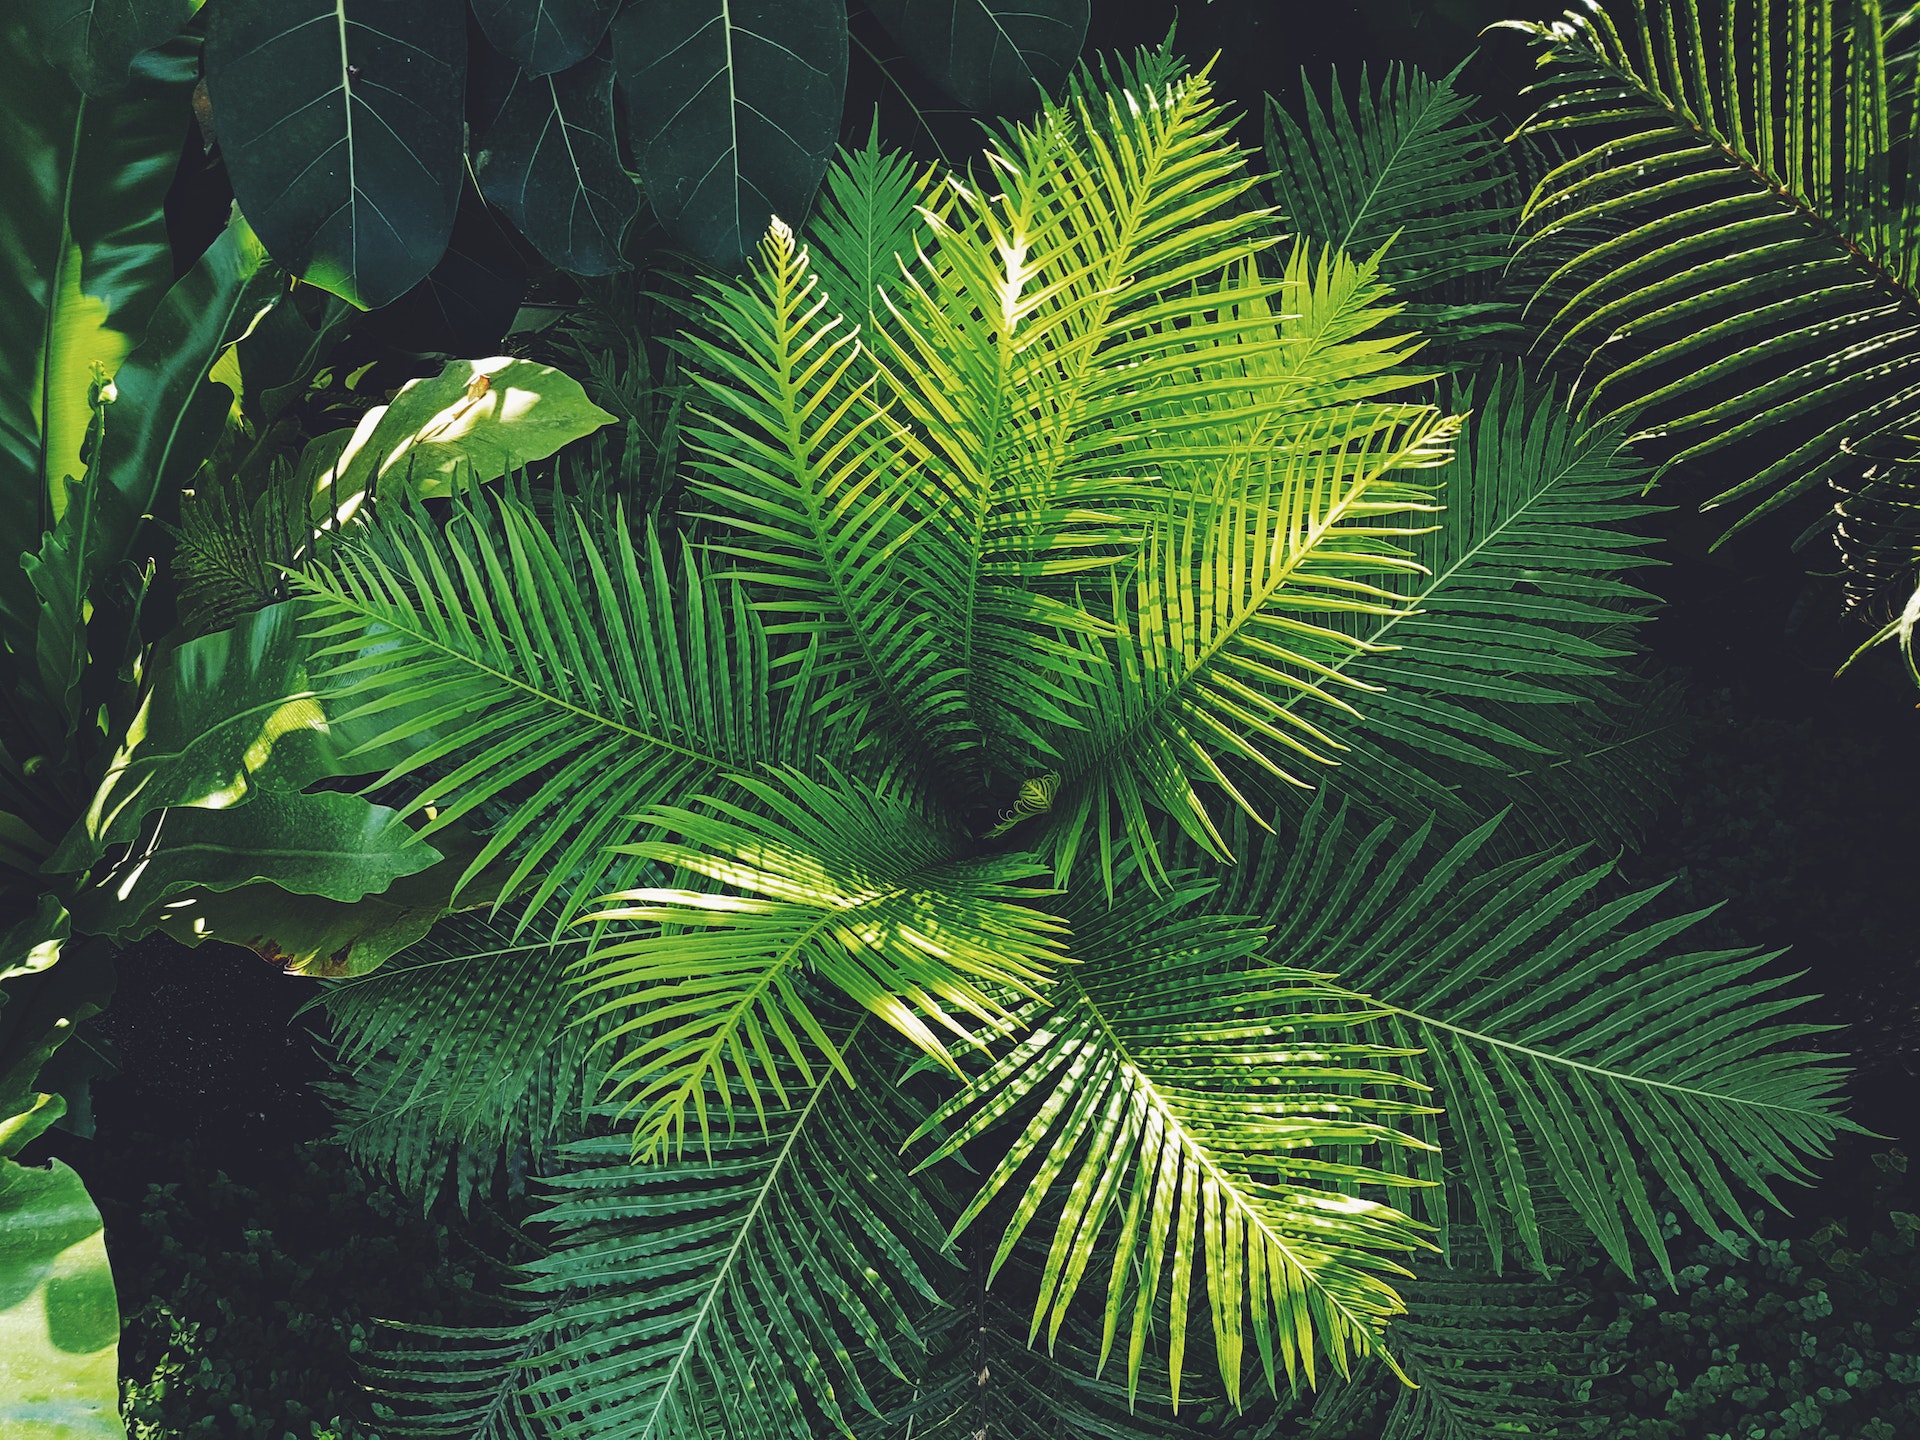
<point>806,471</point>
<point>1209,1116</point>
<point>1115,244</point>
<point>1238,609</point>
<point>1737,242</point>
<point>465,1058</point>
<point>821,879</point>
<point>551,707</point>
<point>729,1292</point>
<point>981,1374</point>
<point>1572,1051</point>
<point>1406,167</point>
<point>1502,677</point>
<point>866,218</point>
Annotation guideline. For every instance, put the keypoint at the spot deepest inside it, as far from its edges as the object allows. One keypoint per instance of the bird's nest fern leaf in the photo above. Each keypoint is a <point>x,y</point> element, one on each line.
<point>1209,1117</point>
<point>814,884</point>
<point>555,705</point>
<point>1572,1050</point>
<point>1738,237</point>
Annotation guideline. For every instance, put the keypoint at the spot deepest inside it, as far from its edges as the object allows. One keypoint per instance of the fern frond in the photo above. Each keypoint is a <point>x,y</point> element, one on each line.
<point>558,705</point>
<point>1407,170</point>
<point>1572,1051</point>
<point>1207,1114</point>
<point>734,1290</point>
<point>1738,240</point>
<point>1487,1355</point>
<point>1237,612</point>
<point>807,472</point>
<point>465,1056</point>
<point>1040,339</point>
<point>866,218</point>
<point>1500,677</point>
<point>854,889</point>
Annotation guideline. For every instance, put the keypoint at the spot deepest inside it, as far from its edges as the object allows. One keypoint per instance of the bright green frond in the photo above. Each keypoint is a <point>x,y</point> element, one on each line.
<point>1041,338</point>
<point>1572,1051</point>
<point>551,694</point>
<point>818,493</point>
<point>1212,1118</point>
<point>1735,249</point>
<point>801,881</point>
<point>1239,609</point>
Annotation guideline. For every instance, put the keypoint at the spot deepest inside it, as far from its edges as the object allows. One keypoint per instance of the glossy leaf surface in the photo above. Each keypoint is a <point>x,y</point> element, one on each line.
<point>340,124</point>
<point>548,160</point>
<point>735,107</point>
<point>543,36</point>
<point>999,56</point>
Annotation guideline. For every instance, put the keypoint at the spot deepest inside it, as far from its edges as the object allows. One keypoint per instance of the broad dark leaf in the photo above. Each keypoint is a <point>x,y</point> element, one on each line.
<point>548,160</point>
<point>97,41</point>
<point>735,107</point>
<point>340,123</point>
<point>993,55</point>
<point>543,36</point>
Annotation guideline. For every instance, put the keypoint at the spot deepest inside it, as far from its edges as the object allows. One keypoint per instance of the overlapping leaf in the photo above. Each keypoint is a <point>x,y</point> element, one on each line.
<point>854,889</point>
<point>1735,246</point>
<point>1208,1116</point>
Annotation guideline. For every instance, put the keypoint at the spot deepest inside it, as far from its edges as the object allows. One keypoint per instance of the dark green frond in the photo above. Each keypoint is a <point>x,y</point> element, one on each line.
<point>1490,1355</point>
<point>734,1290</point>
<point>1570,1048</point>
<point>464,1057</point>
<point>865,222</point>
<point>549,707</point>
<point>1408,168</point>
<point>1736,244</point>
<point>1501,678</point>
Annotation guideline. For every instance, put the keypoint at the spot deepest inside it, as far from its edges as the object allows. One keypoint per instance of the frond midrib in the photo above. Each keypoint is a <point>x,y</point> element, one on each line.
<point>387,617</point>
<point>1790,200</point>
<point>1602,1071</point>
<point>724,1269</point>
<point>1193,1146</point>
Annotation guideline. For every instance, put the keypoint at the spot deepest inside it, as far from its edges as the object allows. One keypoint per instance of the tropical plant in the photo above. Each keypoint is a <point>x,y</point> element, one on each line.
<point>887,836</point>
<point>1729,255</point>
<point>344,127</point>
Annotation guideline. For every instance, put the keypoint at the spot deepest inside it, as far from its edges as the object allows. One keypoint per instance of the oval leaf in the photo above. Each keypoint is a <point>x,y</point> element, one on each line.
<point>548,161</point>
<point>989,55</point>
<point>340,121</point>
<point>59,1323</point>
<point>97,41</point>
<point>735,107</point>
<point>473,422</point>
<point>543,36</point>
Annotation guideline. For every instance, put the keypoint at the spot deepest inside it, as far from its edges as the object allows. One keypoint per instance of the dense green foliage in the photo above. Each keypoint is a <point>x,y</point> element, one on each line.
<point>992,806</point>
